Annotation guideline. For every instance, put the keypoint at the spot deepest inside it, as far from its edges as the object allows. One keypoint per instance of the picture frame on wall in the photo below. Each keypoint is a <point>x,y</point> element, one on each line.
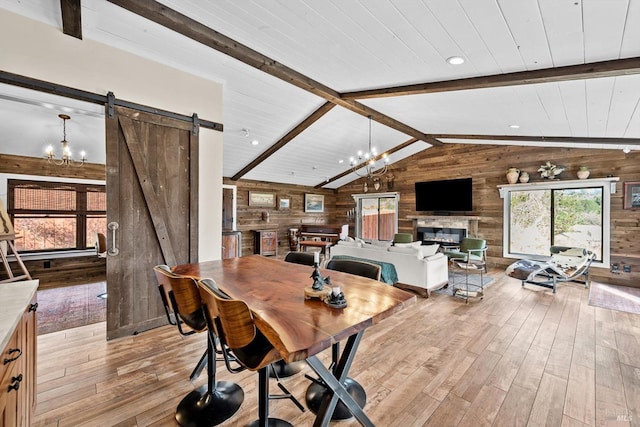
<point>262,199</point>
<point>313,203</point>
<point>632,195</point>
<point>284,203</point>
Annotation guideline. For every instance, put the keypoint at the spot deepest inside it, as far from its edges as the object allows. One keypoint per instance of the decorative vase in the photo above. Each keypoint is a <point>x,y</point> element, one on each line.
<point>524,177</point>
<point>512,175</point>
<point>583,172</point>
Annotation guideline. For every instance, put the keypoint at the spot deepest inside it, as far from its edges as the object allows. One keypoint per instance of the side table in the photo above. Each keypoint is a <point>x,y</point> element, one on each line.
<point>463,288</point>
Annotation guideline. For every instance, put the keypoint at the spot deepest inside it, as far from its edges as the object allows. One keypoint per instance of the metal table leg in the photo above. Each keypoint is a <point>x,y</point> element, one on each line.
<point>336,389</point>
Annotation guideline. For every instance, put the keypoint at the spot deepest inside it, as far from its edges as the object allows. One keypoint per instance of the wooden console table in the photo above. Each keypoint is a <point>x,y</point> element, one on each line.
<point>265,242</point>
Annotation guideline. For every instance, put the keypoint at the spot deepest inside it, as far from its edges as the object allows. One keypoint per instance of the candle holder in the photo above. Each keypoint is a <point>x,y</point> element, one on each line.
<point>336,298</point>
<point>320,288</point>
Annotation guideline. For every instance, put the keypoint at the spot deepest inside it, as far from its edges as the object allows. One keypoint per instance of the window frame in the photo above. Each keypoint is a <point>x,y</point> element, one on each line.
<point>8,182</point>
<point>608,186</point>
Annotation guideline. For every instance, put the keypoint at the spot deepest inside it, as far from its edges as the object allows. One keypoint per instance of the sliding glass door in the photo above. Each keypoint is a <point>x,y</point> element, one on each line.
<point>377,216</point>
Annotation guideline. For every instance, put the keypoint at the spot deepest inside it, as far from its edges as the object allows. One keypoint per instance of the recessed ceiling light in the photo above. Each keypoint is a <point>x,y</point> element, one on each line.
<point>455,60</point>
<point>514,126</point>
<point>255,142</point>
<point>340,161</point>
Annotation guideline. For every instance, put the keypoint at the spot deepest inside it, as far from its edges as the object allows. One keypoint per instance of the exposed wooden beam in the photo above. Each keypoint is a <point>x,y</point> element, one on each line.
<point>529,138</point>
<point>361,165</point>
<point>71,18</point>
<point>194,30</point>
<point>308,121</point>
<point>613,68</point>
<point>38,165</point>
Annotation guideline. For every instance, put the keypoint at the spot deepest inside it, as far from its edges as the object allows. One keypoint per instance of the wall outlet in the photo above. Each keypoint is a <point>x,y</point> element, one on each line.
<point>47,264</point>
<point>626,268</point>
<point>614,268</point>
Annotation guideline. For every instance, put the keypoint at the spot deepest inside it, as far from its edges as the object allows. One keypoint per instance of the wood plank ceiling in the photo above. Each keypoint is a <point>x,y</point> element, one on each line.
<point>303,77</point>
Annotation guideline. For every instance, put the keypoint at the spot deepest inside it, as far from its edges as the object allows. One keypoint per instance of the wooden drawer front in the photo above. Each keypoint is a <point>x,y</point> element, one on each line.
<point>11,356</point>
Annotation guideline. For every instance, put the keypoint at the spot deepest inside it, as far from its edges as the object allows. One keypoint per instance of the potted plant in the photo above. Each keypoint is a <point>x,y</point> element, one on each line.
<point>550,171</point>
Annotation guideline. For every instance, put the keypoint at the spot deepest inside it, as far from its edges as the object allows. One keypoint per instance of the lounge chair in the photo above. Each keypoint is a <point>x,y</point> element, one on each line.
<point>567,264</point>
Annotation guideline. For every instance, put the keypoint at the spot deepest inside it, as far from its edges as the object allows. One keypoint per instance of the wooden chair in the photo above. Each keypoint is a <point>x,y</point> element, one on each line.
<point>232,321</point>
<point>216,401</point>
<point>101,245</point>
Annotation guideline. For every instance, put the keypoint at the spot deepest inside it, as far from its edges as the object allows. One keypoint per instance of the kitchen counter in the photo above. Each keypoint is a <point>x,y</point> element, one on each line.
<point>14,298</point>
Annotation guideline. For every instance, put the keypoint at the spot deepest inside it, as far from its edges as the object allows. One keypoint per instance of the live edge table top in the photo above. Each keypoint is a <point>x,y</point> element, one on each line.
<point>299,327</point>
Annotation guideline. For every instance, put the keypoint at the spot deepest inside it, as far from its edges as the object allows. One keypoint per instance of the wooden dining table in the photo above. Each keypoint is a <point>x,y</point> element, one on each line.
<point>300,328</point>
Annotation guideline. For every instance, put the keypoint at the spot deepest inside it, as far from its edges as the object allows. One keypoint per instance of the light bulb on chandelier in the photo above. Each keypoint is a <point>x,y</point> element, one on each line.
<point>66,158</point>
<point>365,164</point>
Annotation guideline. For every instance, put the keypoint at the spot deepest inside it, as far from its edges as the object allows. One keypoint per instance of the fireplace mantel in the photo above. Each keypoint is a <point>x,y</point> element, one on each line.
<point>470,223</point>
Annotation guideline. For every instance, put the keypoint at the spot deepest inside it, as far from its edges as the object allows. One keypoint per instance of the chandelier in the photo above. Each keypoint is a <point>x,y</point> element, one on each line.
<point>364,165</point>
<point>66,158</point>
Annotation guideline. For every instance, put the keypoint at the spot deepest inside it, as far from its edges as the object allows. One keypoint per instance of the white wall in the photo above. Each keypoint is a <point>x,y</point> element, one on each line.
<point>36,50</point>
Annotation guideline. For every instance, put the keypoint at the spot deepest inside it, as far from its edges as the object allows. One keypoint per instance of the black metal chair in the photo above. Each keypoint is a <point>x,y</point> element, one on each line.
<point>215,402</point>
<point>304,258</point>
<point>317,389</point>
<point>357,267</point>
<point>232,322</point>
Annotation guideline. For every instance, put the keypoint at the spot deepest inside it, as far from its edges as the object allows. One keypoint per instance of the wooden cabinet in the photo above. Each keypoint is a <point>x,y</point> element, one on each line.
<point>231,244</point>
<point>266,242</point>
<point>18,372</point>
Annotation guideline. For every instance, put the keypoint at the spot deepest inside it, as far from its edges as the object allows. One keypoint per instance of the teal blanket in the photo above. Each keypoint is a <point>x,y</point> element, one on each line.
<point>388,273</point>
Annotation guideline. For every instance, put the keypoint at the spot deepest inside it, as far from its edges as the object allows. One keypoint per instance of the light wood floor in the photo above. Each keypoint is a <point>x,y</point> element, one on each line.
<point>518,357</point>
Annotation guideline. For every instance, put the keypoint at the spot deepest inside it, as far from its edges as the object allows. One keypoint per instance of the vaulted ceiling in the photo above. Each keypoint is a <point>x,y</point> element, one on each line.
<point>302,77</point>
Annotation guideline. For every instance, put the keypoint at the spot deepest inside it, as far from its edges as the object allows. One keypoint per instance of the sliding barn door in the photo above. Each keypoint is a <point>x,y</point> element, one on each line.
<point>152,210</point>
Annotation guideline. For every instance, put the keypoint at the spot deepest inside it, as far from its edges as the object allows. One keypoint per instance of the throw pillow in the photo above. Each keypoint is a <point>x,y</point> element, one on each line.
<point>408,245</point>
<point>371,247</point>
<point>381,243</point>
<point>428,250</point>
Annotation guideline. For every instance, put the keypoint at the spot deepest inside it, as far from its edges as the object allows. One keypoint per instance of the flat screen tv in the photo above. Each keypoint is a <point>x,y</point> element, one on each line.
<point>444,196</point>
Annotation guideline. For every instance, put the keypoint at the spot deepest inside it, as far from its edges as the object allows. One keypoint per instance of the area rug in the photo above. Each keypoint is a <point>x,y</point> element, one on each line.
<point>620,298</point>
<point>458,279</point>
<point>70,307</point>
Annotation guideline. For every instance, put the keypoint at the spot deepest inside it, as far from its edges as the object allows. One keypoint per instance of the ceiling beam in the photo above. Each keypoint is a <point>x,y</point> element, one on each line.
<point>169,18</point>
<point>71,18</point>
<point>363,164</point>
<point>528,138</point>
<point>613,68</point>
<point>311,119</point>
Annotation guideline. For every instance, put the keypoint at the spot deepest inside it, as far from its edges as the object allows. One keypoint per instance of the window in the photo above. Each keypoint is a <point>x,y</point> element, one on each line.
<point>376,215</point>
<point>570,213</point>
<point>56,216</point>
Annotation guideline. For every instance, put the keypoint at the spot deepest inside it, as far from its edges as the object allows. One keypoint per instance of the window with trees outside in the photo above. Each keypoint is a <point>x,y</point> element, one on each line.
<point>376,216</point>
<point>56,216</point>
<point>573,213</point>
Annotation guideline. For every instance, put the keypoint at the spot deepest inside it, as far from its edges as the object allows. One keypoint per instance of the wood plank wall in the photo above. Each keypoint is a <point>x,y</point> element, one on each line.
<point>487,165</point>
<point>57,271</point>
<point>250,218</point>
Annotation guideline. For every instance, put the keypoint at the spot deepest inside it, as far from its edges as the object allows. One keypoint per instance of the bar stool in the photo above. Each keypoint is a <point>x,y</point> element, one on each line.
<point>217,401</point>
<point>232,321</point>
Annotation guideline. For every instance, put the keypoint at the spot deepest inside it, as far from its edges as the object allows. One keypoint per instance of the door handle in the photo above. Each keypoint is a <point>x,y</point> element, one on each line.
<point>113,226</point>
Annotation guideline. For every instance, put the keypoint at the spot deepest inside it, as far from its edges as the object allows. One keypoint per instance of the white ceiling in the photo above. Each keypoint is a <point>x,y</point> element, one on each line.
<point>352,45</point>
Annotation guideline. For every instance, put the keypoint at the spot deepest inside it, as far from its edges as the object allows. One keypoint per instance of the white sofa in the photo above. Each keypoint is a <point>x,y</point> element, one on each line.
<point>419,268</point>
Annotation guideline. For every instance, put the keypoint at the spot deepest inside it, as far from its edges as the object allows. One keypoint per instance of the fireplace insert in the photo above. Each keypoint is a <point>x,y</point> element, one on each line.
<point>442,235</point>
